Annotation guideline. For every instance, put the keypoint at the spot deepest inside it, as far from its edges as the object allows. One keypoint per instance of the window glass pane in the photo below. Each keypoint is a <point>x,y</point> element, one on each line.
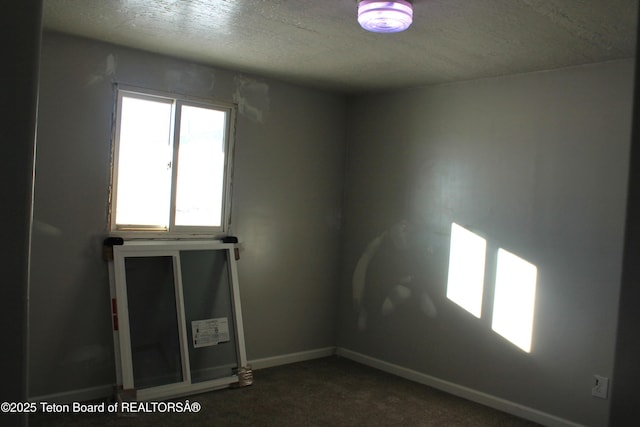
<point>514,300</point>
<point>466,269</point>
<point>144,163</point>
<point>153,321</point>
<point>206,286</point>
<point>200,181</point>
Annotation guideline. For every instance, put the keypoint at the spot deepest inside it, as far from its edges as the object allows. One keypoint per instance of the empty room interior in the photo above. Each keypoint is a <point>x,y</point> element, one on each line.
<point>452,203</point>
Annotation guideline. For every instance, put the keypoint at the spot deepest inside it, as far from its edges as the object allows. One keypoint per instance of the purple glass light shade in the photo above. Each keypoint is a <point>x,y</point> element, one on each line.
<point>385,16</point>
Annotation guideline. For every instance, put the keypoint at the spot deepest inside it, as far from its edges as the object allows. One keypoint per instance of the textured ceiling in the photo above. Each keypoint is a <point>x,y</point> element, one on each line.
<point>319,42</point>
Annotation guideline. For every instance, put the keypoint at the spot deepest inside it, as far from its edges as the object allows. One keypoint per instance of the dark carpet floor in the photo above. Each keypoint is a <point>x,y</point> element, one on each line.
<point>325,392</point>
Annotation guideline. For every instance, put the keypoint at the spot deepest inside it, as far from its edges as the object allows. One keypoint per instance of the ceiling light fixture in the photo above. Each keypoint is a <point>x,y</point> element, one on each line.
<point>385,16</point>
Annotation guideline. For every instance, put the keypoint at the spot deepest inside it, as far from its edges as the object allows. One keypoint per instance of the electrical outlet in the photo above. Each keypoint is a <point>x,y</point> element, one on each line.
<point>600,387</point>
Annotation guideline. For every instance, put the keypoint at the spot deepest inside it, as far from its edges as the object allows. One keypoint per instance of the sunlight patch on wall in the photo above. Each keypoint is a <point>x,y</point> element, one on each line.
<point>466,269</point>
<point>514,301</point>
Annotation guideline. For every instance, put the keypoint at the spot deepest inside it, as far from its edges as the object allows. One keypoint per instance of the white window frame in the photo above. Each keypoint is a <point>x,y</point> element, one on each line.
<point>122,337</point>
<point>177,101</point>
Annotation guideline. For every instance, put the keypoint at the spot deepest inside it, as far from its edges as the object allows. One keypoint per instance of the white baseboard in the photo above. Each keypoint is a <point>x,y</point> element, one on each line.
<point>106,391</point>
<point>458,390</point>
<point>504,405</point>
<point>82,395</point>
<point>285,359</point>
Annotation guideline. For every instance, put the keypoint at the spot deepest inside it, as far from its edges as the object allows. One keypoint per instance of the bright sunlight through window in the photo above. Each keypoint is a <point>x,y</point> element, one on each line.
<point>466,269</point>
<point>144,163</point>
<point>171,164</point>
<point>514,301</point>
<point>200,167</point>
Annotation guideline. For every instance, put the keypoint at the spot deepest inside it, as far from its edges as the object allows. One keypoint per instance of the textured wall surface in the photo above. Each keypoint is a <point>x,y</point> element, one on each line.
<point>287,196</point>
<point>534,163</point>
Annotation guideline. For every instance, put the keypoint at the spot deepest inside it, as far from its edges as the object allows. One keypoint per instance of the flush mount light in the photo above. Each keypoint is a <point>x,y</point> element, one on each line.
<point>385,16</point>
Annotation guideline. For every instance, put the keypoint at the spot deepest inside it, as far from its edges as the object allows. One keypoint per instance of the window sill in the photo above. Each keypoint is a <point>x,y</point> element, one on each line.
<point>150,235</point>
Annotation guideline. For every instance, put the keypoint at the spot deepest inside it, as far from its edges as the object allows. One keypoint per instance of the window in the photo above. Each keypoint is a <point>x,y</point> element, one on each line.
<point>177,307</point>
<point>172,165</point>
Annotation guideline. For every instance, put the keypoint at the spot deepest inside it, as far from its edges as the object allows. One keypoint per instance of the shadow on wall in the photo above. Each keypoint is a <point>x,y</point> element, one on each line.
<point>388,277</point>
<point>402,287</point>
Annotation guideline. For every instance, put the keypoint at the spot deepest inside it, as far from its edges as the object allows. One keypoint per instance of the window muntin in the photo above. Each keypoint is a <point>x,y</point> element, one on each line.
<point>172,164</point>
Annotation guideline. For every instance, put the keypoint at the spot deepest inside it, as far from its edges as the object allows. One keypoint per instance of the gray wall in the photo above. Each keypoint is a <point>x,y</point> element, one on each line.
<point>535,163</point>
<point>21,23</point>
<point>286,206</point>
